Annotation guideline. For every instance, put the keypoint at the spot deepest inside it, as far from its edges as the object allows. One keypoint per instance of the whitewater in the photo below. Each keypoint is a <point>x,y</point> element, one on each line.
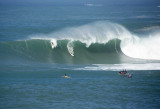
<point>101,32</point>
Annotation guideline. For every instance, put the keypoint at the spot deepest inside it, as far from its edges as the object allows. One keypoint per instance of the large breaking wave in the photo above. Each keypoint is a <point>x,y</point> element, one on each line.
<point>41,51</point>
<point>95,43</point>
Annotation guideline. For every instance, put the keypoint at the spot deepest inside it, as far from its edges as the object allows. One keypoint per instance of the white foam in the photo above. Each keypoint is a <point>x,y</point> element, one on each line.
<point>119,67</point>
<point>102,31</point>
<point>53,43</point>
<point>149,28</point>
<point>143,48</point>
<point>97,32</point>
<point>70,48</point>
<point>90,4</point>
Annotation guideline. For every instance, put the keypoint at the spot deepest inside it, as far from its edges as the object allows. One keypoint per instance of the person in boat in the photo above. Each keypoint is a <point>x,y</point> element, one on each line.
<point>123,72</point>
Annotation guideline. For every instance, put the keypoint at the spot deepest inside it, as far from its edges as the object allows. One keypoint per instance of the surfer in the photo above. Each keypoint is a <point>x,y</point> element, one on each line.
<point>65,76</point>
<point>71,52</point>
<point>52,44</point>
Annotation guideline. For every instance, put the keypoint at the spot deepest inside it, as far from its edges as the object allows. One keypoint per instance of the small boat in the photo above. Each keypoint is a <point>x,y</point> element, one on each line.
<point>122,73</point>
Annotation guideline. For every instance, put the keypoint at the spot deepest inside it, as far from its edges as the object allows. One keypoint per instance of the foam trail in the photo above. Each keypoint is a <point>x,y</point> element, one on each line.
<point>53,43</point>
<point>119,67</point>
<point>26,44</point>
<point>115,46</point>
<point>70,48</point>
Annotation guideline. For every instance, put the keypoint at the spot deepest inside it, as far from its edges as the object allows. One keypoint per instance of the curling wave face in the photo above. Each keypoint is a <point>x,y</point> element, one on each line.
<point>132,45</point>
<point>41,51</point>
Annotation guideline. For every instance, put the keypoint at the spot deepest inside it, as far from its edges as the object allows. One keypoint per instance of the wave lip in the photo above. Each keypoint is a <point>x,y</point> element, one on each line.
<point>97,32</point>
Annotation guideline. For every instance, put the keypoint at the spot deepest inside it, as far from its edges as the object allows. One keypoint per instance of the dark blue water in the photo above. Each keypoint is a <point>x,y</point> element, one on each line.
<point>18,22</point>
<point>46,88</point>
<point>105,37</point>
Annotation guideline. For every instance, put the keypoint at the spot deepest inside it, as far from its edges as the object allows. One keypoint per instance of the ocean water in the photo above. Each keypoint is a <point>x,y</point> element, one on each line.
<point>92,43</point>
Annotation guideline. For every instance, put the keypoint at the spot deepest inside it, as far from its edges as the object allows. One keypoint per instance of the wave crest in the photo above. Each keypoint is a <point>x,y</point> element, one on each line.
<point>132,45</point>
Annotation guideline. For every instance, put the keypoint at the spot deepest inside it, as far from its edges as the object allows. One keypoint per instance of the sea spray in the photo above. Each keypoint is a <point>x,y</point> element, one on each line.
<point>96,32</point>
